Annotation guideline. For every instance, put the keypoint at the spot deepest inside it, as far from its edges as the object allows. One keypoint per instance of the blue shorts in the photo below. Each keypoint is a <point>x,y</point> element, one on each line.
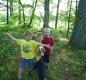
<point>24,61</point>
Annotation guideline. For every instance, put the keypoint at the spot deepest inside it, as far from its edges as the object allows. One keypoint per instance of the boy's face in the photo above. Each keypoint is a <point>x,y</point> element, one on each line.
<point>46,32</point>
<point>40,38</point>
<point>28,37</point>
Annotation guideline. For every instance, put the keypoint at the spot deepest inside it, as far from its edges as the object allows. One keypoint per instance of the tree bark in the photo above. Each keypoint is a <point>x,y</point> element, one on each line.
<point>46,14</point>
<point>69,19</point>
<point>56,21</point>
<point>19,17</point>
<point>23,13</point>
<point>7,13</point>
<point>11,7</point>
<point>32,14</point>
<point>78,38</point>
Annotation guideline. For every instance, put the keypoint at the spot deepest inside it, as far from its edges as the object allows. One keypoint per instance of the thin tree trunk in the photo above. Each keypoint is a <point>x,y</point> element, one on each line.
<point>23,13</point>
<point>46,14</point>
<point>32,14</point>
<point>56,21</point>
<point>23,16</point>
<point>11,7</point>
<point>7,13</point>
<point>19,8</point>
<point>69,19</point>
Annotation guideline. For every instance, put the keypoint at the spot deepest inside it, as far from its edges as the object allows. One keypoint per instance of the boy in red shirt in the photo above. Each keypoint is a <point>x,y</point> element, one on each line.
<point>47,40</point>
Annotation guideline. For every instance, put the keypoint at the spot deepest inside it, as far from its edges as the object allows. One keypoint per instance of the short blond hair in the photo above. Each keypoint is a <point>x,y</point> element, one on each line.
<point>28,33</point>
<point>46,29</point>
<point>39,34</point>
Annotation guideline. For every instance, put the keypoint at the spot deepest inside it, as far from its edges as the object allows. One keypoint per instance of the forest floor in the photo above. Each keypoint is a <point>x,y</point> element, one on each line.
<point>64,65</point>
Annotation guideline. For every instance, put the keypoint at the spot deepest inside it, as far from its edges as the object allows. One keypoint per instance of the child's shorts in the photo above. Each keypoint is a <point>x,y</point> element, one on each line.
<point>24,61</point>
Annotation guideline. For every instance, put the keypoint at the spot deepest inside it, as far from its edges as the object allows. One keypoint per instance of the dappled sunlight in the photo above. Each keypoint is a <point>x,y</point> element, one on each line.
<point>64,39</point>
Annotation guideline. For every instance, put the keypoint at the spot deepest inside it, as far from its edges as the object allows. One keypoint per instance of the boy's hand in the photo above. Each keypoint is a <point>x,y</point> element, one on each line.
<point>8,33</point>
<point>48,46</point>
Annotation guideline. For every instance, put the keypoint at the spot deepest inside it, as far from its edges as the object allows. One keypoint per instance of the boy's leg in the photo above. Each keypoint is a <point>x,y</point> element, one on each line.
<point>41,69</point>
<point>46,61</point>
<point>21,66</point>
<point>35,66</point>
<point>31,63</point>
<point>20,73</point>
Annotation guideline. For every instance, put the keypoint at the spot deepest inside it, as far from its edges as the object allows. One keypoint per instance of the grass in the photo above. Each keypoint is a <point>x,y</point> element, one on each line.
<point>65,63</point>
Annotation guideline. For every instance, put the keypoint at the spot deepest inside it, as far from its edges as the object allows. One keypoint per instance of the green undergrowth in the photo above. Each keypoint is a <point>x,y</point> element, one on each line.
<point>65,62</point>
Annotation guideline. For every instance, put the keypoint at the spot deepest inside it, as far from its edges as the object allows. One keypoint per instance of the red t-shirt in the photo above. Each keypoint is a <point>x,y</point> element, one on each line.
<point>47,40</point>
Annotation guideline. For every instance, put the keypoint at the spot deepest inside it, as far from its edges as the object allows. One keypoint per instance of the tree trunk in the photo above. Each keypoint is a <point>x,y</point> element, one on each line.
<point>78,38</point>
<point>11,7</point>
<point>46,14</point>
<point>23,13</point>
<point>7,13</point>
<point>32,14</point>
<point>19,17</point>
<point>69,19</point>
<point>56,21</point>
<point>76,7</point>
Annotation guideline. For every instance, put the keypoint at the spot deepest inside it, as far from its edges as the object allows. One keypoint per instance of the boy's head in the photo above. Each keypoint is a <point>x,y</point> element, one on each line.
<point>46,31</point>
<point>28,35</point>
<point>39,36</point>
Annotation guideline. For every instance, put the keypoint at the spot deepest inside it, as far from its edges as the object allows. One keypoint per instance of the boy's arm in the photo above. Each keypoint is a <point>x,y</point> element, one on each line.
<point>9,34</point>
<point>45,45</point>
